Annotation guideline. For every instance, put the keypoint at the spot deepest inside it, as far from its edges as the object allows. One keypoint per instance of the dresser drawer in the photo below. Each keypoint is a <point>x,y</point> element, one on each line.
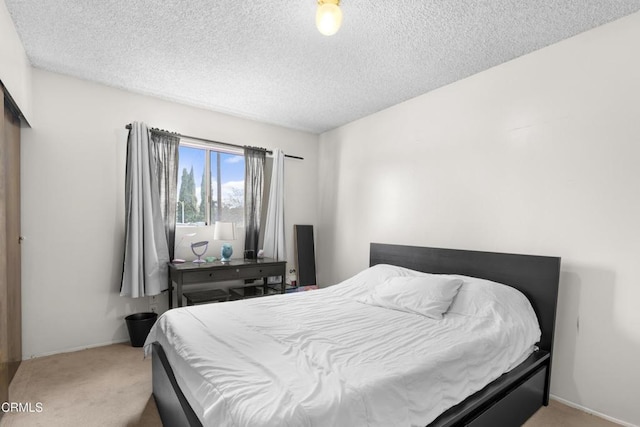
<point>260,271</point>
<point>209,276</point>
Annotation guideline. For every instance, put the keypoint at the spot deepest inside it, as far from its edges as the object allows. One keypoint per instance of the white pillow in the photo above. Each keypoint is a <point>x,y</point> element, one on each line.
<point>364,282</point>
<point>484,298</point>
<point>428,295</point>
<point>477,297</point>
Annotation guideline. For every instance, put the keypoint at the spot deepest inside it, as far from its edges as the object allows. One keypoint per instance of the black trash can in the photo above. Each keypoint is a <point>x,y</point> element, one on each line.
<point>139,325</point>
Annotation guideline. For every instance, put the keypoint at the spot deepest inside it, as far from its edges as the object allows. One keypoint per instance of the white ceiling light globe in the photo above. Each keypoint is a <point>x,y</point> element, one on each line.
<point>328,18</point>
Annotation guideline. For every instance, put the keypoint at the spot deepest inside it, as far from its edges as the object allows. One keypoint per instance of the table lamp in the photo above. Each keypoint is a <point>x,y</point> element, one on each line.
<point>225,231</point>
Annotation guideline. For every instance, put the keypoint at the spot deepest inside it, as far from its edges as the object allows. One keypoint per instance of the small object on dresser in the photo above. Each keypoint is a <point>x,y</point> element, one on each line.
<point>225,231</point>
<point>249,254</point>
<point>200,251</point>
<point>260,254</point>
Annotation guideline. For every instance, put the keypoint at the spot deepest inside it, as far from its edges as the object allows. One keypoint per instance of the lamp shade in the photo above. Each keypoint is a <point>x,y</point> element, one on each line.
<point>224,231</point>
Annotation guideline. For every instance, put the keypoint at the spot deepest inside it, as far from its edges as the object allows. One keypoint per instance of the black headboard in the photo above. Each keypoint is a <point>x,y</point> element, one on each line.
<point>536,277</point>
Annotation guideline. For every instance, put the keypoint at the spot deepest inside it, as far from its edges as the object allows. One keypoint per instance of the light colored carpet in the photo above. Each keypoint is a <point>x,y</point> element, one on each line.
<point>103,386</point>
<point>111,386</point>
<point>559,415</point>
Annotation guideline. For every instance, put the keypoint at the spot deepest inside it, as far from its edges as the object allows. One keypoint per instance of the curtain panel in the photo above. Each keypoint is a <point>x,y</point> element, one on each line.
<point>164,148</point>
<point>253,186</point>
<point>146,251</point>
<point>274,235</point>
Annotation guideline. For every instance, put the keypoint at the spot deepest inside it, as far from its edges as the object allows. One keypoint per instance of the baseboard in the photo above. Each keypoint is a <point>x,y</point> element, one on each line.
<point>71,350</point>
<point>591,411</point>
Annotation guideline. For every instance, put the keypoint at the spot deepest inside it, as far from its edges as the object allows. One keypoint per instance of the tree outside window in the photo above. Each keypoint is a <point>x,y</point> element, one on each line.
<point>217,195</point>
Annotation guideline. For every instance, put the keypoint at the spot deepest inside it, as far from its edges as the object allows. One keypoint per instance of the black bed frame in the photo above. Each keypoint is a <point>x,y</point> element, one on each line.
<point>508,401</point>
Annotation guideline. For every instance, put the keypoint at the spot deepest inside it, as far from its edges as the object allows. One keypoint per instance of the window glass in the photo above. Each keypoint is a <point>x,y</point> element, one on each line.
<point>191,168</point>
<point>221,190</point>
<point>227,185</point>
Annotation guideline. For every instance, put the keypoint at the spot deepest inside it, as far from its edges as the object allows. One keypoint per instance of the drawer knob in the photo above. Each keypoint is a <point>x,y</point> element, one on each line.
<point>237,270</point>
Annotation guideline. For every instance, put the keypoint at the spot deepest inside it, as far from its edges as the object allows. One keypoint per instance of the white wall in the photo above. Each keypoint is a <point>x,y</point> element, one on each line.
<point>539,155</point>
<point>73,166</point>
<point>15,69</point>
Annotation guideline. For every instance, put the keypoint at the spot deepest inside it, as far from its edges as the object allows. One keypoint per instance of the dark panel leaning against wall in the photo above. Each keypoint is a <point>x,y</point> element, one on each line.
<point>305,255</point>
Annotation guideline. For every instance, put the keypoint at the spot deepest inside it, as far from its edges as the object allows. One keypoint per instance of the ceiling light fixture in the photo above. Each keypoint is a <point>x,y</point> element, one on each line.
<point>328,17</point>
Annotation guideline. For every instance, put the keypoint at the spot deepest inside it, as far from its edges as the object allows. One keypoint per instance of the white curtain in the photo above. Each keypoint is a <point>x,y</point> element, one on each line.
<point>146,252</point>
<point>274,242</point>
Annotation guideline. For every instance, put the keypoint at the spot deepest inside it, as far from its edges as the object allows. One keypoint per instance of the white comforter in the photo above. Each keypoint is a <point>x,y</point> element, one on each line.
<point>321,358</point>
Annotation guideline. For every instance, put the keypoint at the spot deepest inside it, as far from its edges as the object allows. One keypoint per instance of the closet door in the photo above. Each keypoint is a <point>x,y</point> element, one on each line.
<point>10,262</point>
<point>14,264</point>
<point>4,338</point>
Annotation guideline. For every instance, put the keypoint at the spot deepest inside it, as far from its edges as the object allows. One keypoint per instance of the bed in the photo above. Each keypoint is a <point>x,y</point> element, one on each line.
<point>509,399</point>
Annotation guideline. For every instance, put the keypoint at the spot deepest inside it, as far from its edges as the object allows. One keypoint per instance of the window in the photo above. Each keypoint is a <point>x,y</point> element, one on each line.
<point>210,185</point>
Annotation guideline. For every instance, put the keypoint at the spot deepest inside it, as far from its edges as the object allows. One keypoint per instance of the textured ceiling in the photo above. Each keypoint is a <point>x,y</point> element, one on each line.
<point>265,60</point>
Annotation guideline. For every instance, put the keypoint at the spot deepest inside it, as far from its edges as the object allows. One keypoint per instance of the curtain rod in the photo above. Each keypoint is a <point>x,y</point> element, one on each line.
<point>214,142</point>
